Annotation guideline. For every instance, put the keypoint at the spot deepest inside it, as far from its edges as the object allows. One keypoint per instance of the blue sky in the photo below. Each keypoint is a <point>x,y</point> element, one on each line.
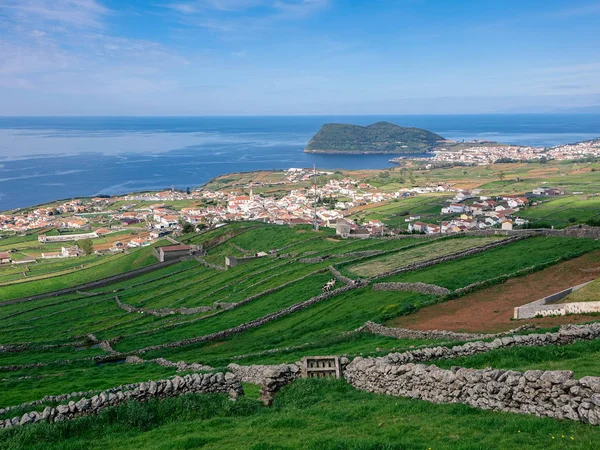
<point>198,57</point>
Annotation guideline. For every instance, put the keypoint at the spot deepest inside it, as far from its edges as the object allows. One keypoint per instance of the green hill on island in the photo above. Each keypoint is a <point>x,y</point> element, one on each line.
<point>380,137</point>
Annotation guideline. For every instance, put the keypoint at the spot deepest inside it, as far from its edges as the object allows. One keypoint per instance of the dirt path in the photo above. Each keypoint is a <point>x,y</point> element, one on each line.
<point>491,310</point>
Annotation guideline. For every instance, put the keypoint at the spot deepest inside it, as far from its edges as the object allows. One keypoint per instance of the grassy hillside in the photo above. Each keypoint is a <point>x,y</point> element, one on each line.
<point>59,356</point>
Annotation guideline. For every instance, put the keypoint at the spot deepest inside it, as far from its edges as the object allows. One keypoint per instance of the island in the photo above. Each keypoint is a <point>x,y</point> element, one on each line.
<point>379,137</point>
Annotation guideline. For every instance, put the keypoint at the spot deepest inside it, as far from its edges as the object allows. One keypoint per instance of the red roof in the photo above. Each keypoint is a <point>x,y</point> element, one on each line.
<point>4,255</point>
<point>175,248</point>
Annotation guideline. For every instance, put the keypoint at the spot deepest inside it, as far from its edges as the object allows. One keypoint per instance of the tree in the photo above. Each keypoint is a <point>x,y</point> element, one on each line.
<point>188,191</point>
<point>86,245</point>
<point>501,175</point>
<point>187,228</point>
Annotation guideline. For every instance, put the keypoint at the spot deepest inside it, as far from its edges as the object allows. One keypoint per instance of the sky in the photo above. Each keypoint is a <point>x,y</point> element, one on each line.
<point>276,57</point>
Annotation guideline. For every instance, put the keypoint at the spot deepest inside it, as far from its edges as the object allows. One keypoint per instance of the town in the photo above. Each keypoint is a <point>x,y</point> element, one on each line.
<point>484,153</point>
<point>115,224</point>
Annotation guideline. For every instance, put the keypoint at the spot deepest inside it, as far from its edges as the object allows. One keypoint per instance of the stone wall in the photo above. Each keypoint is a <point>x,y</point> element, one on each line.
<point>577,231</point>
<point>566,335</point>
<point>270,378</point>
<point>551,394</point>
<point>162,312</point>
<point>260,374</point>
<point>344,279</point>
<point>430,289</point>
<point>210,265</point>
<point>195,383</point>
<point>404,333</point>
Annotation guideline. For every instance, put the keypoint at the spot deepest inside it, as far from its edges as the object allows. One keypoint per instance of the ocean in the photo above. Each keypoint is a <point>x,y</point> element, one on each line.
<point>49,158</point>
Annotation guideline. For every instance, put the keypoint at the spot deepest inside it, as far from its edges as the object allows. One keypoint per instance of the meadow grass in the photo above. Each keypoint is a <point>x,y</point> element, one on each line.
<point>588,293</point>
<point>393,261</point>
<point>112,266</point>
<point>316,414</point>
<point>498,261</point>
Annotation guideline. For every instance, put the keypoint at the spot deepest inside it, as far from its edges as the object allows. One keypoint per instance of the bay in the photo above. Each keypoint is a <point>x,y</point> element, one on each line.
<point>48,158</point>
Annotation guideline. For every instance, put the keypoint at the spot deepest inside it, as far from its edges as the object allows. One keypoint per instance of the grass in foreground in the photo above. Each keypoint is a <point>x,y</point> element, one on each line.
<point>319,414</point>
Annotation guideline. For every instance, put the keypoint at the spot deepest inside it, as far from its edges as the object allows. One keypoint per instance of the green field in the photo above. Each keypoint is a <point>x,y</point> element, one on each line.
<point>388,263</point>
<point>499,261</point>
<point>295,272</point>
<point>100,268</point>
<point>563,211</point>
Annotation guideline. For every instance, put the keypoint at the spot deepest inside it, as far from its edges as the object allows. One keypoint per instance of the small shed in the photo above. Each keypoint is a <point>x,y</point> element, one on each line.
<point>172,252</point>
<point>5,258</point>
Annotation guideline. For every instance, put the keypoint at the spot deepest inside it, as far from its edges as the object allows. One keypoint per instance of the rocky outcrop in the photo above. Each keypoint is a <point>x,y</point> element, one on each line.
<point>551,394</point>
<point>196,383</point>
<point>423,288</point>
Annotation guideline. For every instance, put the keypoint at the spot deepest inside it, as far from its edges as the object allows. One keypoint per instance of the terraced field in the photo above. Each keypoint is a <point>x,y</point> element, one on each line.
<point>390,262</point>
<point>272,309</point>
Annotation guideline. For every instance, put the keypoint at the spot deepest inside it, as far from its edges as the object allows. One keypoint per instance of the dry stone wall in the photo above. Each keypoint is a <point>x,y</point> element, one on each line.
<point>260,374</point>
<point>423,288</point>
<point>163,312</point>
<point>344,279</point>
<point>566,335</point>
<point>405,333</point>
<point>210,265</point>
<point>551,394</point>
<point>577,231</point>
<point>196,383</point>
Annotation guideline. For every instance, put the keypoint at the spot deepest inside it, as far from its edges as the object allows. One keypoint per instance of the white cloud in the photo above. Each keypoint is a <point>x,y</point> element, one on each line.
<point>239,16</point>
<point>65,46</point>
<point>72,13</point>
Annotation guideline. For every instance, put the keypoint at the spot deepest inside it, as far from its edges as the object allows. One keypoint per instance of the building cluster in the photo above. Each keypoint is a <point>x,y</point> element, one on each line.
<point>326,204</point>
<point>575,151</point>
<point>55,217</point>
<point>489,153</point>
<point>470,211</point>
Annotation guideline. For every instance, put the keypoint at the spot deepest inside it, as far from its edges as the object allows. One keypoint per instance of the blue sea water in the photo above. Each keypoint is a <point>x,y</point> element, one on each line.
<point>48,158</point>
